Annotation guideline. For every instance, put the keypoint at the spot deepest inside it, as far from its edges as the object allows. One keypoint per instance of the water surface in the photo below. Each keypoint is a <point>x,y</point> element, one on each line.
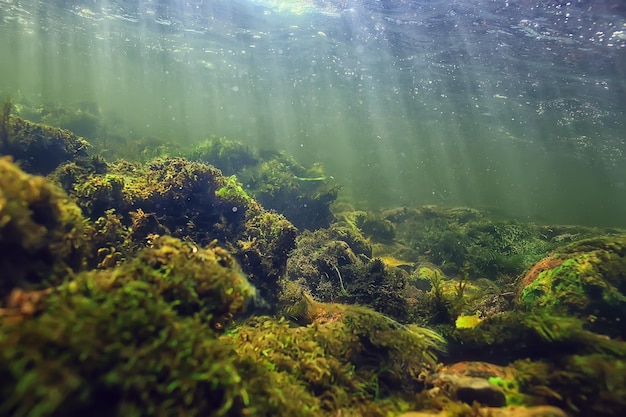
<point>514,106</point>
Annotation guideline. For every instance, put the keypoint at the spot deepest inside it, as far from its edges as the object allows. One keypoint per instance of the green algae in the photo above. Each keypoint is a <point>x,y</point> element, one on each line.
<point>144,339</point>
<point>137,340</point>
<point>37,147</point>
<point>588,282</point>
<point>43,236</point>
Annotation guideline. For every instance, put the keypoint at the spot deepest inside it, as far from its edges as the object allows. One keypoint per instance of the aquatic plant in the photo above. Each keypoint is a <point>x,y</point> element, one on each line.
<point>232,191</point>
<point>144,339</point>
<point>263,248</point>
<point>301,194</point>
<point>327,267</point>
<point>38,148</point>
<point>138,340</point>
<point>191,200</point>
<point>43,235</point>
<point>377,345</point>
<point>456,237</point>
<point>334,366</point>
<point>230,156</point>
<point>5,127</point>
<point>275,180</point>
<point>375,226</point>
<point>582,385</point>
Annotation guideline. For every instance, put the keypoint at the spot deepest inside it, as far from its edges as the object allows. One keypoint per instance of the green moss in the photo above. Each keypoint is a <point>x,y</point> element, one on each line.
<point>99,193</point>
<point>589,282</point>
<point>144,339</point>
<point>190,200</point>
<point>263,248</point>
<point>331,265</point>
<point>230,156</point>
<point>454,237</point>
<point>511,390</point>
<point>301,194</point>
<point>138,340</point>
<point>40,148</point>
<point>233,192</point>
<point>42,234</point>
<point>206,282</point>
<point>376,227</point>
<point>582,385</point>
<point>347,360</point>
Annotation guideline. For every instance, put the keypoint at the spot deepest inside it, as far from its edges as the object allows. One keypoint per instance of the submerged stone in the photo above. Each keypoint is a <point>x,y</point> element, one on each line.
<point>586,279</point>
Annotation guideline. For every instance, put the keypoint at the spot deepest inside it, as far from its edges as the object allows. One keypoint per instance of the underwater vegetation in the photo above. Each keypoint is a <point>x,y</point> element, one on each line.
<point>138,340</point>
<point>277,181</point>
<point>145,338</point>
<point>454,237</point>
<point>164,287</point>
<point>335,264</point>
<point>586,279</point>
<point>38,148</point>
<point>232,157</point>
<point>191,200</point>
<point>43,236</point>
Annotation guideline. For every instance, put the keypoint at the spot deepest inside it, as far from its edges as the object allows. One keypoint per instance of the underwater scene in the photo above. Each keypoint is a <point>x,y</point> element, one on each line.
<point>325,208</point>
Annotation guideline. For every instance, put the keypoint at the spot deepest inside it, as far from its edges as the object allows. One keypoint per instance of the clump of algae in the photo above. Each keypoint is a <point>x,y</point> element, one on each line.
<point>42,234</point>
<point>141,339</point>
<point>146,338</point>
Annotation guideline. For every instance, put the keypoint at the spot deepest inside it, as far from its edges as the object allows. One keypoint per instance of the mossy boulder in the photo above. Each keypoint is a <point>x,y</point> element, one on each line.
<point>39,148</point>
<point>185,199</point>
<point>138,340</point>
<point>302,194</point>
<point>277,181</point>
<point>373,342</point>
<point>586,279</point>
<point>327,266</point>
<point>145,338</point>
<point>375,226</point>
<point>347,361</point>
<point>230,156</point>
<point>43,235</point>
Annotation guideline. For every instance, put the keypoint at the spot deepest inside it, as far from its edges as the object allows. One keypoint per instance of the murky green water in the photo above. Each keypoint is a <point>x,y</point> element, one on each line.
<point>513,106</point>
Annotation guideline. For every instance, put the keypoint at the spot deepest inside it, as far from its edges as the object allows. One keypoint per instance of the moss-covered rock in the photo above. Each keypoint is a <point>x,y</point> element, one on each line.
<point>263,249</point>
<point>326,266</point>
<point>143,339</point>
<point>586,279</point>
<point>230,156</point>
<point>348,361</point>
<point>371,341</point>
<point>138,340</point>
<point>188,200</point>
<point>42,233</point>
<point>582,385</point>
<point>275,180</point>
<point>38,148</point>
<point>302,194</point>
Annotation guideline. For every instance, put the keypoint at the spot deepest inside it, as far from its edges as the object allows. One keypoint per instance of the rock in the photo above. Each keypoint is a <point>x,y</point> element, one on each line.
<point>537,411</point>
<point>39,148</point>
<point>586,279</point>
<point>469,389</point>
